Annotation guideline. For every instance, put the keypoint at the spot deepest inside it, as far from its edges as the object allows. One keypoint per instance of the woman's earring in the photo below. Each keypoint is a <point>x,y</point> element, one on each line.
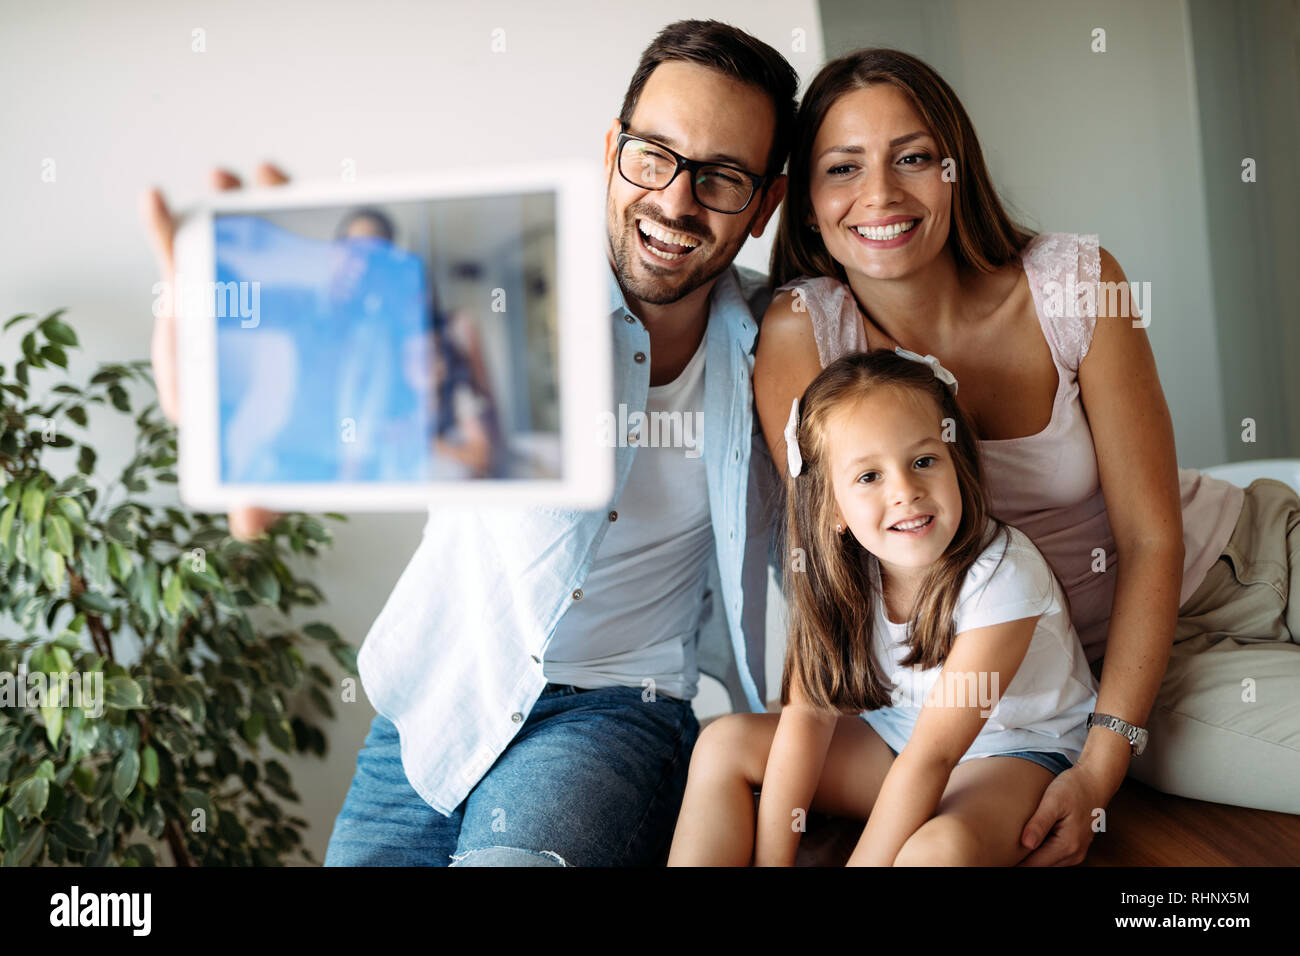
<point>813,227</point>
<point>839,529</point>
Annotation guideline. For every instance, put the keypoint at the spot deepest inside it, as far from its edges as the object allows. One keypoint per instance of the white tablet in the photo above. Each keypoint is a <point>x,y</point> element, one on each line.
<point>443,338</point>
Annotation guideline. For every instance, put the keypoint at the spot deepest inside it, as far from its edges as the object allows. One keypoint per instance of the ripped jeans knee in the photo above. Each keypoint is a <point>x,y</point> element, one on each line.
<point>507,856</point>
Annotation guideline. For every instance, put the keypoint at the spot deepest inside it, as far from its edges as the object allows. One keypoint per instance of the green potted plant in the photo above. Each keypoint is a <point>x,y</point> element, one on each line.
<point>149,659</point>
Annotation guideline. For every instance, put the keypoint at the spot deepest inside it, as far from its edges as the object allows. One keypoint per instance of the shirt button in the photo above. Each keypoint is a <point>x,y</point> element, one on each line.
<point>732,534</point>
<point>736,454</point>
<point>613,516</point>
<point>516,717</point>
<point>628,319</point>
<point>577,594</point>
<point>633,437</point>
<point>639,357</point>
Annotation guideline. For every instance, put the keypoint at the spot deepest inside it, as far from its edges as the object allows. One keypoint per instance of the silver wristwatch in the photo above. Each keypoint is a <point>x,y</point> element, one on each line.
<point>1137,736</point>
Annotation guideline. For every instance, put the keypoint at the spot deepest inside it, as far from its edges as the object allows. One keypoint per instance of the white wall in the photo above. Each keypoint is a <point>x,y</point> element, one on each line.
<point>115,96</point>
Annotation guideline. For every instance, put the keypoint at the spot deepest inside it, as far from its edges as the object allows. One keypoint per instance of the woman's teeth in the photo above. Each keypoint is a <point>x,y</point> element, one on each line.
<point>914,525</point>
<point>885,232</point>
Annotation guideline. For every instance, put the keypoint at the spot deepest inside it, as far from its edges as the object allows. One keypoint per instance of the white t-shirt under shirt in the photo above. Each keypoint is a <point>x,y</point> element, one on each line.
<point>1046,704</point>
<point>641,602</point>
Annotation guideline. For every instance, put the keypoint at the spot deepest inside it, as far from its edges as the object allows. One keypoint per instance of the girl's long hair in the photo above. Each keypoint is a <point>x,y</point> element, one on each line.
<point>829,592</point>
<point>982,236</point>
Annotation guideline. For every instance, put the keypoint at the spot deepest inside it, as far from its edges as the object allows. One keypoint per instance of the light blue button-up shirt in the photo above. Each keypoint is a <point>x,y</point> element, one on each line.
<point>454,659</point>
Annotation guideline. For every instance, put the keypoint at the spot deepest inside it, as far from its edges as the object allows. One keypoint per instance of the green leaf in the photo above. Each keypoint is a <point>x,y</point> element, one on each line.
<point>192,800</point>
<point>55,355</point>
<point>280,734</point>
<point>53,716</point>
<point>95,554</point>
<point>7,527</point>
<point>205,578</point>
<point>119,562</point>
<point>58,534</point>
<point>52,569</point>
<point>148,588</point>
<point>321,632</point>
<point>125,774</point>
<point>72,510</point>
<point>171,591</point>
<point>76,835</point>
<point>346,654</point>
<point>9,832</point>
<point>30,845</point>
<point>264,584</point>
<point>30,797</point>
<point>117,395</point>
<point>86,460</point>
<point>251,728</point>
<point>149,766</point>
<point>123,693</point>
<point>33,504</point>
<point>78,415</point>
<point>94,603</point>
<point>58,332</point>
<point>138,854</point>
<point>18,318</point>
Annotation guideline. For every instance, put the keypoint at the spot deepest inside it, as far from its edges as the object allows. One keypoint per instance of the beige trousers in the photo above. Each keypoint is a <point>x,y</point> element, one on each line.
<point>1226,722</point>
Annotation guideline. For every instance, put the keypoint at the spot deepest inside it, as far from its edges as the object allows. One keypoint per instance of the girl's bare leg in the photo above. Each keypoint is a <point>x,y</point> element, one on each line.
<point>980,817</point>
<point>717,820</point>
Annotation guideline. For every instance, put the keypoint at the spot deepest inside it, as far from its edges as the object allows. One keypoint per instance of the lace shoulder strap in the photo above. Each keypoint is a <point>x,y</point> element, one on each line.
<point>1064,270</point>
<point>836,321</point>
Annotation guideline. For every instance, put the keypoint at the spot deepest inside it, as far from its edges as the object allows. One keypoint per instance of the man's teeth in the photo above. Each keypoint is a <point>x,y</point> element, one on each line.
<point>885,232</point>
<point>663,235</point>
<point>913,524</point>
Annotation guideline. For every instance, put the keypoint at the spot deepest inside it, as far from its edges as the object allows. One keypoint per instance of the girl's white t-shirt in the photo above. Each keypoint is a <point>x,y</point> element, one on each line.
<point>1046,704</point>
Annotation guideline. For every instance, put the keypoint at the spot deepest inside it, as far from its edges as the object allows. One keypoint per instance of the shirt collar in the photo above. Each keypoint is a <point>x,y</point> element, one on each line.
<point>726,301</point>
<point>617,301</point>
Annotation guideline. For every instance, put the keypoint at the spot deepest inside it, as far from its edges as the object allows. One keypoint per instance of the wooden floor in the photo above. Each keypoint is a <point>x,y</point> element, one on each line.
<point>1144,828</point>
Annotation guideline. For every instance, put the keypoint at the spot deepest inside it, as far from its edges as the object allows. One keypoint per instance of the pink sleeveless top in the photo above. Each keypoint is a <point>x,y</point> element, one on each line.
<point>1047,484</point>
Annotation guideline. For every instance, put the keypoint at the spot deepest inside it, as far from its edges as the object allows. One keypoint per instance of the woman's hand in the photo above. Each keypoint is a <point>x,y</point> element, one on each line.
<point>1061,827</point>
<point>248,522</point>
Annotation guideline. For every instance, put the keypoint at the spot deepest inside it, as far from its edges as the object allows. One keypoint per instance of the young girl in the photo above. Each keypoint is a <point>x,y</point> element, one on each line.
<point>933,682</point>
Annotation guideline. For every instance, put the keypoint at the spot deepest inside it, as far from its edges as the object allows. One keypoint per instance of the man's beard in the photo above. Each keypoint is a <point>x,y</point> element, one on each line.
<point>665,290</point>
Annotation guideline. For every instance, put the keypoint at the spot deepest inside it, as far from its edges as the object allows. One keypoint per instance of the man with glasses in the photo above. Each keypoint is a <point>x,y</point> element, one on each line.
<point>533,669</point>
<point>539,665</point>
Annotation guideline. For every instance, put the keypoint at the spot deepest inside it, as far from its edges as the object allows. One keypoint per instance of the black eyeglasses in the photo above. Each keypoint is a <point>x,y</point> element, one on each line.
<point>718,186</point>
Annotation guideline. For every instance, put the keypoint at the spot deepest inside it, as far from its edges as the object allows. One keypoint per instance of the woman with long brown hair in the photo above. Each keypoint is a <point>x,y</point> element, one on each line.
<point>893,235</point>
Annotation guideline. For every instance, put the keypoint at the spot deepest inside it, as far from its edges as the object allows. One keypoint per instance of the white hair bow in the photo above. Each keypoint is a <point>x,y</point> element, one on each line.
<point>793,458</point>
<point>941,373</point>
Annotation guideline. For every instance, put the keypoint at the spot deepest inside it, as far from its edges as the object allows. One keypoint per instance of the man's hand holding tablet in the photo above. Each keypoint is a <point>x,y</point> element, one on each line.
<point>246,522</point>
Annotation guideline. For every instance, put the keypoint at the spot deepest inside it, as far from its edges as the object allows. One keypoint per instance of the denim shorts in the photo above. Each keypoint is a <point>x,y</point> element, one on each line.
<point>1044,758</point>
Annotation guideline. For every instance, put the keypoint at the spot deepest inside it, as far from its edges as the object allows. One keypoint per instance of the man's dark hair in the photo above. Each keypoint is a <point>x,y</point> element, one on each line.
<point>734,53</point>
<point>381,222</point>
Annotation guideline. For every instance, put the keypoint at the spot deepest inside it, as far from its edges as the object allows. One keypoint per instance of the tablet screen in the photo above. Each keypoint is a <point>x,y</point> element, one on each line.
<point>408,341</point>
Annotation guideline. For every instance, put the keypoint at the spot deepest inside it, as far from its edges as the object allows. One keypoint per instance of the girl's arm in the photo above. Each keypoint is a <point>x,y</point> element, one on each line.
<point>1134,440</point>
<point>785,363</point>
<point>794,767</point>
<point>950,720</point>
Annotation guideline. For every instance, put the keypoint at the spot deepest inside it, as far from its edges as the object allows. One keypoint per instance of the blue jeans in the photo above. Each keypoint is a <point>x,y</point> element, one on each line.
<point>593,778</point>
<point>1044,758</point>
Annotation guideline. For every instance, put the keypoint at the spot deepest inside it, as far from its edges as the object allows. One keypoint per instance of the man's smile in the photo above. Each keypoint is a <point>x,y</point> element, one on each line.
<point>665,244</point>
